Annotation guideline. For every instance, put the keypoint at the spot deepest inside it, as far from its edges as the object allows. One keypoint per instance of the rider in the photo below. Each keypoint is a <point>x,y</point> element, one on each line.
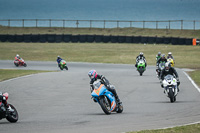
<point>139,57</point>
<point>170,70</point>
<point>3,99</point>
<point>158,56</point>
<point>59,60</point>
<point>162,59</point>
<point>17,57</point>
<point>94,76</point>
<point>170,56</point>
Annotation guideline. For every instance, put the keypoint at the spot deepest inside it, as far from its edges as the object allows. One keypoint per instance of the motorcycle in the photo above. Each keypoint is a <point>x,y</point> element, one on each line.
<point>10,113</point>
<point>141,67</point>
<point>170,87</point>
<point>105,98</point>
<point>161,66</point>
<point>171,61</point>
<point>63,65</point>
<point>21,62</point>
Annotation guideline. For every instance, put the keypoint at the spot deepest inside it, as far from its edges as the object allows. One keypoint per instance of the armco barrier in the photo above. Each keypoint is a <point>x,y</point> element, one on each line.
<point>75,38</point>
<point>11,38</point>
<point>159,40</point>
<point>113,39</point>
<point>82,38</point>
<point>67,38</point>
<point>151,40</point>
<point>90,38</point>
<point>34,38</point>
<point>106,39</point>
<point>3,38</point>
<point>51,38</point>
<point>99,38</point>
<point>121,39</point>
<point>93,38</point>
<point>144,39</point>
<point>27,38</point>
<point>19,38</point>
<point>129,39</point>
<point>59,38</point>
<point>42,38</point>
<point>167,40</point>
<point>136,39</point>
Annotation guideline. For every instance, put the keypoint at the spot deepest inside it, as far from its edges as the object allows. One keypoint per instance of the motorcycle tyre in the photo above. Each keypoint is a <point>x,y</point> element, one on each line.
<point>16,64</point>
<point>66,67</point>
<point>25,65</point>
<point>171,96</point>
<point>10,118</point>
<point>104,108</point>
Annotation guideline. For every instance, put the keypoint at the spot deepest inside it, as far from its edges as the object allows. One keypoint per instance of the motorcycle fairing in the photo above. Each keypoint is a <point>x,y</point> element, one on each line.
<point>101,91</point>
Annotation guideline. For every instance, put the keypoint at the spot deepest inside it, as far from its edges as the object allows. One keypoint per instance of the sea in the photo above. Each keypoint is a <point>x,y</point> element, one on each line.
<point>138,11</point>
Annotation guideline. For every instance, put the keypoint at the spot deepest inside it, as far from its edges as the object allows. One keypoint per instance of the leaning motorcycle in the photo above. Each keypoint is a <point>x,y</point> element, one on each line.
<point>161,66</point>
<point>170,87</point>
<point>141,67</point>
<point>63,65</point>
<point>9,113</point>
<point>171,61</point>
<point>105,98</point>
<point>21,62</point>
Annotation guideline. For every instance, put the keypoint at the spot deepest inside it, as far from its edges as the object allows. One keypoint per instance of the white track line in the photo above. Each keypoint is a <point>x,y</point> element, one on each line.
<point>192,81</point>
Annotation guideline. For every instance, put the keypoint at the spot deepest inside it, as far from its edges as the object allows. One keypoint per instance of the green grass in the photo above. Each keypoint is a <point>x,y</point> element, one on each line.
<point>195,76</point>
<point>6,74</point>
<point>185,56</point>
<point>102,31</point>
<point>195,128</point>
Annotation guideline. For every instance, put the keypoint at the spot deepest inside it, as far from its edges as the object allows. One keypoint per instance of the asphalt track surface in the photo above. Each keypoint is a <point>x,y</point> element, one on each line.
<point>60,101</point>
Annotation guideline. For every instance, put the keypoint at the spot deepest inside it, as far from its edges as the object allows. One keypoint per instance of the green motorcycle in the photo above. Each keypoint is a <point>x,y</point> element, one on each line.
<point>141,66</point>
<point>63,65</point>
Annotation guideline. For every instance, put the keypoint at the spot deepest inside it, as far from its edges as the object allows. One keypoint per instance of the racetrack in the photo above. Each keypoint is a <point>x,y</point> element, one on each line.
<point>60,101</point>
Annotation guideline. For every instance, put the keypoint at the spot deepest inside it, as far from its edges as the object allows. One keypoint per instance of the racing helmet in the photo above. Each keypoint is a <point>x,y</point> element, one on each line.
<point>167,66</point>
<point>170,53</point>
<point>163,56</point>
<point>141,54</point>
<point>17,56</point>
<point>159,53</point>
<point>92,74</point>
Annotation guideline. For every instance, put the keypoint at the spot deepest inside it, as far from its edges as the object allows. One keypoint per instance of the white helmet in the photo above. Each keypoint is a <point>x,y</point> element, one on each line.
<point>167,66</point>
<point>170,53</point>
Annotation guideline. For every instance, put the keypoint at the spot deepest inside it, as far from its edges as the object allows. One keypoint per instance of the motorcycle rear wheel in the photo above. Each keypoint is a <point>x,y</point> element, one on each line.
<point>105,105</point>
<point>13,116</point>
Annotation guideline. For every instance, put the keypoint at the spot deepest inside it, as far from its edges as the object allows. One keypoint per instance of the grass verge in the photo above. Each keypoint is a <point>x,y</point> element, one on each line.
<point>185,56</point>
<point>195,75</point>
<point>102,31</point>
<point>6,74</point>
<point>195,128</point>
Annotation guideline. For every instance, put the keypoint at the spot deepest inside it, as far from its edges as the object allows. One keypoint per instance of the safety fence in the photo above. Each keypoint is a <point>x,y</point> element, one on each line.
<point>165,24</point>
<point>58,38</point>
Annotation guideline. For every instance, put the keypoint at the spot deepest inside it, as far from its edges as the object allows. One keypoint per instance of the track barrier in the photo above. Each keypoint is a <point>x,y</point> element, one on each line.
<point>52,38</point>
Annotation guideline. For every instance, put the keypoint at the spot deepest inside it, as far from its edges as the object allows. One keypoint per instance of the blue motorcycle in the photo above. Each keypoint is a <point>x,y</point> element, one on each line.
<point>105,98</point>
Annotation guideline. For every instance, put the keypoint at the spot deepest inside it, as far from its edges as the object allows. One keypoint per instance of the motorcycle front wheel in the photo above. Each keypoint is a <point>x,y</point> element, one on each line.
<point>171,96</point>
<point>12,116</point>
<point>105,105</point>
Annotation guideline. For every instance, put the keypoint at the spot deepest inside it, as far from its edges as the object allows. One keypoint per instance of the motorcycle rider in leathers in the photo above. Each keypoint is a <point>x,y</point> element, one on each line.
<point>94,76</point>
<point>139,57</point>
<point>169,70</point>
<point>3,99</point>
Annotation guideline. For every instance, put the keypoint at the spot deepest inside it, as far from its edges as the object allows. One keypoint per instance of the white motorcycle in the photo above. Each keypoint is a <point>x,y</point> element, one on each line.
<point>170,87</point>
